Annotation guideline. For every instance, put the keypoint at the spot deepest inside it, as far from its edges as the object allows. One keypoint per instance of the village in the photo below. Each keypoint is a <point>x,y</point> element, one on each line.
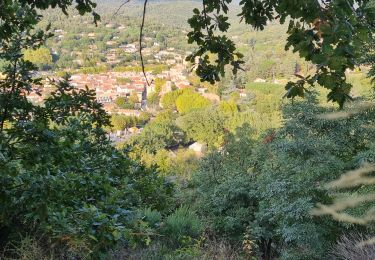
<point>109,86</point>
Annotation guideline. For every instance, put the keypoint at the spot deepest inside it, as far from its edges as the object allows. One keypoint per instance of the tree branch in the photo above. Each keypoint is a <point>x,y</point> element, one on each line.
<point>140,41</point>
<point>120,7</point>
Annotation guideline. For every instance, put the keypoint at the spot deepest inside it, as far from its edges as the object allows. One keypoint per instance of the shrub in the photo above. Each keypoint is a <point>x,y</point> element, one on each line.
<point>153,217</point>
<point>180,225</point>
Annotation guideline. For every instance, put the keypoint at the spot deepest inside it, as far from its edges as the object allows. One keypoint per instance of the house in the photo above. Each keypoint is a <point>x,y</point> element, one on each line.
<point>129,48</point>
<point>170,62</point>
<point>111,43</point>
<point>211,97</point>
<point>182,84</point>
<point>109,25</point>
<point>259,80</point>
<point>243,93</point>
<point>34,98</point>
<point>167,87</point>
<point>198,147</point>
<point>104,99</point>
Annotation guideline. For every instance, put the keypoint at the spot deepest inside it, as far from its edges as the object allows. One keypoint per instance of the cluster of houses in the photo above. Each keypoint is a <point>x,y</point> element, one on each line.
<point>111,85</point>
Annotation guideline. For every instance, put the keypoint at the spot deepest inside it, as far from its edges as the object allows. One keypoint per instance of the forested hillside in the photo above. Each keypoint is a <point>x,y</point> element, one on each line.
<point>86,46</point>
<point>248,132</point>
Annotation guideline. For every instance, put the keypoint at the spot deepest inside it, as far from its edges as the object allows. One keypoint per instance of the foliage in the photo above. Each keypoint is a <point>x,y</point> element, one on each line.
<point>264,187</point>
<point>357,206</point>
<point>154,68</point>
<point>27,248</point>
<point>133,99</point>
<point>179,164</point>
<point>168,101</point>
<point>160,133</point>
<point>123,80</point>
<point>329,34</point>
<point>121,122</point>
<point>125,103</point>
<point>206,126</point>
<point>93,70</point>
<point>121,102</point>
<point>153,217</point>
<point>153,100</point>
<point>159,83</point>
<point>144,118</point>
<point>181,225</point>
<point>41,57</point>
<point>228,107</point>
<point>189,101</point>
<point>64,184</point>
<point>70,182</point>
<point>225,189</point>
<point>267,97</point>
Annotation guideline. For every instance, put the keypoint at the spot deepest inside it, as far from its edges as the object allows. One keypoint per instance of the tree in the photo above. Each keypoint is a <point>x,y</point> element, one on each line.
<point>121,122</point>
<point>153,100</point>
<point>168,101</point>
<point>159,83</point>
<point>41,57</point>
<point>225,189</point>
<point>330,34</point>
<point>267,188</point>
<point>159,134</point>
<point>144,118</point>
<point>189,101</point>
<point>123,102</point>
<point>133,99</point>
<point>228,107</point>
<point>206,126</point>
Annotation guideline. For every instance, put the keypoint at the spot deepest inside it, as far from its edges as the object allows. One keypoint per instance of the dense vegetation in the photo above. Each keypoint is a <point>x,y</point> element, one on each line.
<point>251,190</point>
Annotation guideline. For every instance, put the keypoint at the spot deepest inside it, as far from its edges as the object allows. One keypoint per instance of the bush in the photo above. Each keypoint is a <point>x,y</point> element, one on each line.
<point>181,225</point>
<point>153,217</point>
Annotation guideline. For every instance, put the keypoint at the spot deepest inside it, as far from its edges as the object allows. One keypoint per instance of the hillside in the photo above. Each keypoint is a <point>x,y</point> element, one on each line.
<point>85,46</point>
<point>196,155</point>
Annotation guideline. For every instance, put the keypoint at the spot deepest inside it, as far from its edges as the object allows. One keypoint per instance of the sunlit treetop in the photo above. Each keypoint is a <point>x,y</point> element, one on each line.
<point>333,34</point>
